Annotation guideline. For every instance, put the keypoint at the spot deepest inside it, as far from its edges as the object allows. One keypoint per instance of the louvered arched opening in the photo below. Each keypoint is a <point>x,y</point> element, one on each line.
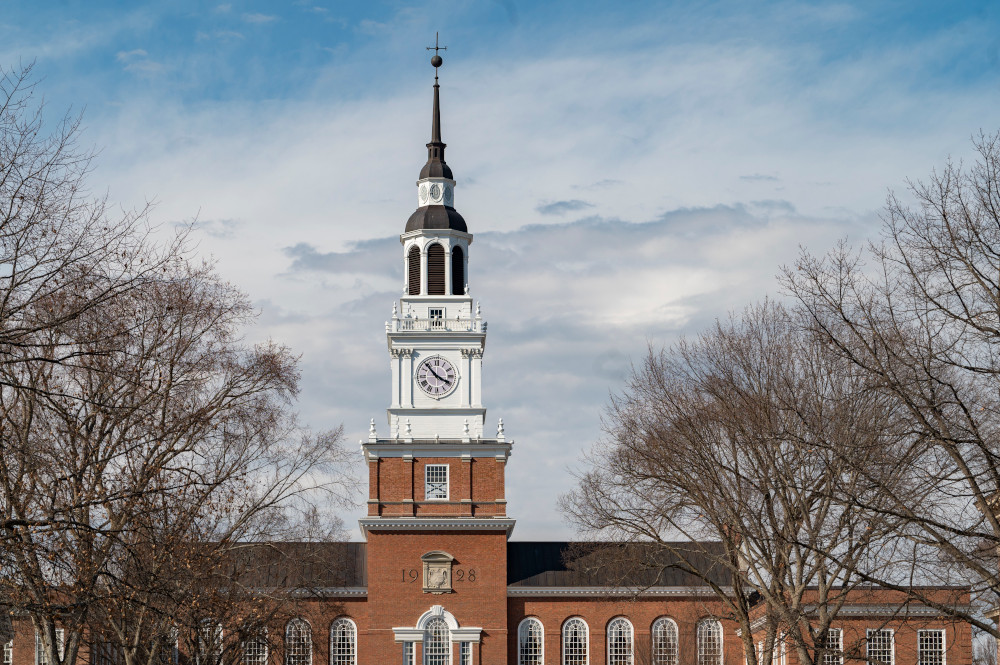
<point>413,271</point>
<point>457,271</point>
<point>435,270</point>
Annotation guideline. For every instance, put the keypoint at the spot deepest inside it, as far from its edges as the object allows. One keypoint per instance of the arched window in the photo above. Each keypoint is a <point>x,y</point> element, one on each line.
<point>574,642</point>
<point>435,270</point>
<point>530,642</point>
<point>664,636</point>
<point>254,646</point>
<point>620,642</point>
<point>298,643</point>
<point>343,642</point>
<point>457,271</point>
<point>413,271</point>
<point>437,641</point>
<point>709,642</point>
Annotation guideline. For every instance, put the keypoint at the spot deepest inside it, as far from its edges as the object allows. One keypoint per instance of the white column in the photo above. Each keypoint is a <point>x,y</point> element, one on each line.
<point>396,387</point>
<point>423,270</point>
<point>476,374</point>
<point>406,378</point>
<point>446,243</point>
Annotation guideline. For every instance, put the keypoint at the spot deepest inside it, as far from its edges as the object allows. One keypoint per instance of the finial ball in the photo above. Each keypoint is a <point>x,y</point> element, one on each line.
<point>436,61</point>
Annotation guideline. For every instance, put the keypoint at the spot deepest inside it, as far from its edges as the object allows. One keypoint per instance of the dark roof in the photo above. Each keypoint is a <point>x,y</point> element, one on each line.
<point>436,218</point>
<point>637,565</point>
<point>436,167</point>
<point>302,565</point>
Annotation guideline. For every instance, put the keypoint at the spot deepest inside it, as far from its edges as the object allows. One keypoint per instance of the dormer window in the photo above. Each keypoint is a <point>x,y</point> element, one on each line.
<point>436,482</point>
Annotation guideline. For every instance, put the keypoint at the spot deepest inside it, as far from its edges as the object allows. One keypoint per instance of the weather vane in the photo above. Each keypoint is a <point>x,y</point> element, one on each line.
<point>436,58</point>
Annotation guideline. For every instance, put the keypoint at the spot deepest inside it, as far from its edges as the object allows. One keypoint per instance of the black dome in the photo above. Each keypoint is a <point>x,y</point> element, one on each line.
<point>436,218</point>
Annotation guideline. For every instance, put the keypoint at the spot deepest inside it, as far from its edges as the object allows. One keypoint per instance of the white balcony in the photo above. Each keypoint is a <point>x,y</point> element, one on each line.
<point>436,325</point>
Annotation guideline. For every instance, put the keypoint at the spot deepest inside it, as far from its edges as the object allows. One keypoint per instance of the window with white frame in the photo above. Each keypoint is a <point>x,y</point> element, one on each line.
<point>833,653</point>
<point>436,317</point>
<point>709,642</point>
<point>465,653</point>
<point>41,656</point>
<point>343,642</point>
<point>778,656</point>
<point>254,647</point>
<point>619,642</point>
<point>408,653</point>
<point>437,642</point>
<point>436,481</point>
<point>167,653</point>
<point>575,642</point>
<point>664,647</point>
<point>209,643</point>
<point>881,647</point>
<point>298,642</point>
<point>530,642</point>
<point>930,647</point>
<point>8,653</point>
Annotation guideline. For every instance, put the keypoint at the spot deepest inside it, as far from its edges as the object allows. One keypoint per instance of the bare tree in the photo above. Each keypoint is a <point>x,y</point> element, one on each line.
<point>733,440</point>
<point>141,436</point>
<point>919,314</point>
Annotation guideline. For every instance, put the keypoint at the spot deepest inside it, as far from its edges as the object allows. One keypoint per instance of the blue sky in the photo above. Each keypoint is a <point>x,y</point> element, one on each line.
<point>630,170</point>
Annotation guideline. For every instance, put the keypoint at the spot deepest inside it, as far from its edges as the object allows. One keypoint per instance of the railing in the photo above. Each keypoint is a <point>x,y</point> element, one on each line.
<point>431,325</point>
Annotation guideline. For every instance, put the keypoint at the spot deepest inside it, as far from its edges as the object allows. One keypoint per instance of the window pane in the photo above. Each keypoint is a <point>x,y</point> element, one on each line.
<point>343,643</point>
<point>298,643</point>
<point>620,642</point>
<point>834,654</point>
<point>574,636</point>
<point>930,647</point>
<point>664,642</point>
<point>529,642</point>
<point>880,643</point>
<point>437,642</point>
<point>436,476</point>
<point>709,642</point>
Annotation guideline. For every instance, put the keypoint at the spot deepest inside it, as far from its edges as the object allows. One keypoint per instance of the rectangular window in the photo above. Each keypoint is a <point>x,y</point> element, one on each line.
<point>465,654</point>
<point>436,316</point>
<point>436,485</point>
<point>8,653</point>
<point>930,647</point>
<point>834,654</point>
<point>881,647</point>
<point>40,655</point>
<point>408,653</point>
<point>778,654</point>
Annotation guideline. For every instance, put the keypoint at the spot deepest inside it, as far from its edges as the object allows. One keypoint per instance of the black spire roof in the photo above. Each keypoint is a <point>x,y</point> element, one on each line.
<point>436,217</point>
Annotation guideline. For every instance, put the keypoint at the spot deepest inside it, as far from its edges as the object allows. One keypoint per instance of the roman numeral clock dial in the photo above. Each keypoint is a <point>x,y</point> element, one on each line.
<point>436,376</point>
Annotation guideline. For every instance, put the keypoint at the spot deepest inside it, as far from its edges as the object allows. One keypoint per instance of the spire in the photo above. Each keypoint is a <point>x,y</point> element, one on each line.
<point>436,166</point>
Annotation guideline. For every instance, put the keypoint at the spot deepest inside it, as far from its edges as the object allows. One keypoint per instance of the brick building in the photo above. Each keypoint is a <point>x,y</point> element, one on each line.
<point>437,580</point>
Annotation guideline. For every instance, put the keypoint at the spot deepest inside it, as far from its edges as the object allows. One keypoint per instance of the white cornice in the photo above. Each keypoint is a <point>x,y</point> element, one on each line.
<point>332,592</point>
<point>432,448</point>
<point>599,591</point>
<point>436,523</point>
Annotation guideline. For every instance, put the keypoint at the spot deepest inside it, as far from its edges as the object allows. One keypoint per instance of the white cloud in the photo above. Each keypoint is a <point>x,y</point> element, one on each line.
<point>259,19</point>
<point>675,158</point>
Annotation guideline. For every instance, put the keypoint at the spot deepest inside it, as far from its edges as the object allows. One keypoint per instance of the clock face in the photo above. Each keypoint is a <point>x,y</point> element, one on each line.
<point>449,196</point>
<point>423,193</point>
<point>436,376</point>
<point>436,192</point>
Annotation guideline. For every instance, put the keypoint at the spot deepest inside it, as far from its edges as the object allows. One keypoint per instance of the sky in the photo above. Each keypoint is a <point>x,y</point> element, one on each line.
<point>631,171</point>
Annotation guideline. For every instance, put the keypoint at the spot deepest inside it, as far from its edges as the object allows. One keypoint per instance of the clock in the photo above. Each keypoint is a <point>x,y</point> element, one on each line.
<point>435,192</point>
<point>449,196</point>
<point>423,193</point>
<point>436,376</point>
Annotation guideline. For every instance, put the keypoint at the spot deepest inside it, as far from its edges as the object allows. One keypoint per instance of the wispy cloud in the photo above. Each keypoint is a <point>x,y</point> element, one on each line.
<point>259,19</point>
<point>562,207</point>
<point>759,177</point>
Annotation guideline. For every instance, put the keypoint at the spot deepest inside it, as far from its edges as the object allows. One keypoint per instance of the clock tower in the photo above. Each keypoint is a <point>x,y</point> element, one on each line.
<point>437,524</point>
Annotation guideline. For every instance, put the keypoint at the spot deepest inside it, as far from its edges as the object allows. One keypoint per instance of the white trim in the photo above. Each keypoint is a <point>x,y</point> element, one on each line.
<point>944,643</point>
<point>562,638</point>
<point>631,640</point>
<point>458,634</point>
<point>354,638</point>
<point>428,483</point>
<point>437,524</point>
<point>541,635</point>
<point>529,591</point>
<point>892,643</point>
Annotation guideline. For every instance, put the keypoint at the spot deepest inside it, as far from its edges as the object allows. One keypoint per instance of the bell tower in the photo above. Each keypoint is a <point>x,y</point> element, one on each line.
<point>437,524</point>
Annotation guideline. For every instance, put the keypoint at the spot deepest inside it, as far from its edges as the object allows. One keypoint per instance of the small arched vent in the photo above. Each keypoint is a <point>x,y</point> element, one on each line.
<point>435,270</point>
<point>413,271</point>
<point>457,271</point>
